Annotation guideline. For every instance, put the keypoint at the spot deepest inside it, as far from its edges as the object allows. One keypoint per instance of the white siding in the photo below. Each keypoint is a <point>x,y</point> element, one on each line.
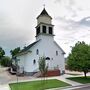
<point>46,48</point>
<point>44,19</point>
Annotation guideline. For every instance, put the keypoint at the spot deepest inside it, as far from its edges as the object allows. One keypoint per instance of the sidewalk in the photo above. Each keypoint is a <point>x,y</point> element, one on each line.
<point>13,79</point>
<point>4,87</point>
<point>62,78</point>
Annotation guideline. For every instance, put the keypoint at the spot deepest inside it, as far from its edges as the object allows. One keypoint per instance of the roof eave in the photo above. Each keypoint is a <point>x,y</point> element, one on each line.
<point>22,53</point>
<point>43,23</point>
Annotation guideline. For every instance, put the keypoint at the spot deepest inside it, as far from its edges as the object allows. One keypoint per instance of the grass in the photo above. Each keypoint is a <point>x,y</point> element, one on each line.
<point>38,85</point>
<point>80,79</point>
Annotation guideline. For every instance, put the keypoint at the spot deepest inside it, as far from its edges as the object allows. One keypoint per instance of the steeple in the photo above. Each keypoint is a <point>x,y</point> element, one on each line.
<point>44,13</point>
<point>44,26</point>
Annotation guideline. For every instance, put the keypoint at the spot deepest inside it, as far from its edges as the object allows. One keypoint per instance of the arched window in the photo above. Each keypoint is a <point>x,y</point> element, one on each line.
<point>34,61</point>
<point>37,51</point>
<point>47,58</point>
<point>56,53</point>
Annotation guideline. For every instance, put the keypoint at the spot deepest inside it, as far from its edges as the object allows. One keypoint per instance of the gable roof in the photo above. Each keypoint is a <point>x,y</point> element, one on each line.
<point>26,49</point>
<point>60,48</point>
<point>44,12</point>
<point>29,46</point>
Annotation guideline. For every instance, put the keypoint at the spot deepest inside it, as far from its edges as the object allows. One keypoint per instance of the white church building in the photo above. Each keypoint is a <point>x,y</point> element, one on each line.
<point>44,45</point>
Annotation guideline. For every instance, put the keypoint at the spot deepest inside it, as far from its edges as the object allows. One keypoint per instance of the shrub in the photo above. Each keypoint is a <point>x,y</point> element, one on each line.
<point>5,61</point>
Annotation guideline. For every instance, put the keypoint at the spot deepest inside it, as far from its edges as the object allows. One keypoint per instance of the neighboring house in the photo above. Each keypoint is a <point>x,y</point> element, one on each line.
<point>43,46</point>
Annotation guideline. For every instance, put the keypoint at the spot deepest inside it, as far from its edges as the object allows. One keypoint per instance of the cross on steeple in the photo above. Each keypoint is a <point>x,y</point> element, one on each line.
<point>44,5</point>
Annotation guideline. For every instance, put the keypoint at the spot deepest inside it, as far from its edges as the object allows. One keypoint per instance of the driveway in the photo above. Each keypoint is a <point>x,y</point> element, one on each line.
<point>4,77</point>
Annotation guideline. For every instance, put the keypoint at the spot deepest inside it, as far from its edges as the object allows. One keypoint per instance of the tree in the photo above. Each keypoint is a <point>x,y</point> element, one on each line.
<point>2,52</point>
<point>5,61</point>
<point>42,66</point>
<point>15,51</point>
<point>79,58</point>
<point>43,69</point>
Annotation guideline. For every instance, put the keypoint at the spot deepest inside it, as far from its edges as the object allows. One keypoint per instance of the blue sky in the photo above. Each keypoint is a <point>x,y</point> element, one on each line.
<point>18,20</point>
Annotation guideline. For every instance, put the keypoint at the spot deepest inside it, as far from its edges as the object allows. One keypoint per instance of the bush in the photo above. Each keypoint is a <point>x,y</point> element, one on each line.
<point>5,61</point>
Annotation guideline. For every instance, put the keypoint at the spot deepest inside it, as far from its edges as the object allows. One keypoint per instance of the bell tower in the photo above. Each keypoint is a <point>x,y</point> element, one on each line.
<point>44,26</point>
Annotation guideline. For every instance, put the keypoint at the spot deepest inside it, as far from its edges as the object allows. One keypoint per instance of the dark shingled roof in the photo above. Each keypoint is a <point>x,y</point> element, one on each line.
<point>44,12</point>
<point>29,46</point>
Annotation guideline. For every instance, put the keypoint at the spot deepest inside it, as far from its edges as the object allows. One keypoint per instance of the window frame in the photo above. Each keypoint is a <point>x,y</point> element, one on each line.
<point>44,29</point>
<point>56,53</point>
<point>37,52</point>
<point>38,30</point>
<point>34,61</point>
<point>50,30</point>
<point>47,58</point>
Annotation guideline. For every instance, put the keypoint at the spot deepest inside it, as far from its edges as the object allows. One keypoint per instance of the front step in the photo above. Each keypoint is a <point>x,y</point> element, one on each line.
<point>38,74</point>
<point>49,73</point>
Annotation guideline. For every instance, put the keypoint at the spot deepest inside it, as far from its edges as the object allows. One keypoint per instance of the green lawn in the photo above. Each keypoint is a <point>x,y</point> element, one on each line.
<point>38,85</point>
<point>80,79</point>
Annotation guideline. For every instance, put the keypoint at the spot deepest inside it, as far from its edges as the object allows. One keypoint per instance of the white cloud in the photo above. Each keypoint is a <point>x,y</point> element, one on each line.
<point>18,19</point>
<point>70,31</point>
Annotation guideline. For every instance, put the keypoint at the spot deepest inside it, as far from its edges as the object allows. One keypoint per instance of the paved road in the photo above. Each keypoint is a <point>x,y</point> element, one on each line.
<point>83,88</point>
